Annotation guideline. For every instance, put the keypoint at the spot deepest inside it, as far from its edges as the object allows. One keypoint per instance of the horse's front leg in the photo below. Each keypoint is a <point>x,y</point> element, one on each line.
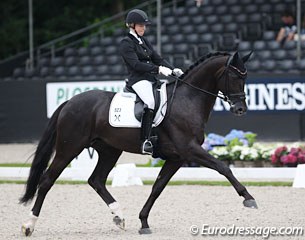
<point>168,170</point>
<point>203,158</point>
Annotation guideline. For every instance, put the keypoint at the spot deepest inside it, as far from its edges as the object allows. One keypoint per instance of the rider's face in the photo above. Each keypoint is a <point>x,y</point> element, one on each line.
<point>140,28</point>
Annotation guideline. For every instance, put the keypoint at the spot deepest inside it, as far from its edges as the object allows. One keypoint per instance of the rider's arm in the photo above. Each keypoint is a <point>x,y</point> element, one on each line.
<point>129,55</point>
<point>156,58</point>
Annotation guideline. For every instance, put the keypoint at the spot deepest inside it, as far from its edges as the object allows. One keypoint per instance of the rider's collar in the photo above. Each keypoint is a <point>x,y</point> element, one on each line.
<point>133,33</point>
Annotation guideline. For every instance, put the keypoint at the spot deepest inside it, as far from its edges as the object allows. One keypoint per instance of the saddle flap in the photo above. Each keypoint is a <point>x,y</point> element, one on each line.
<point>125,105</point>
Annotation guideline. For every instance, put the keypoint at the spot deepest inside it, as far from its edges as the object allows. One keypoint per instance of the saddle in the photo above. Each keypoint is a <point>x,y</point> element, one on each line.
<point>139,104</point>
<point>126,107</point>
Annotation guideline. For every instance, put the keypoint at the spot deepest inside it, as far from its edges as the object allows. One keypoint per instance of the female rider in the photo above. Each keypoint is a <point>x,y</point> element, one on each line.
<point>143,64</point>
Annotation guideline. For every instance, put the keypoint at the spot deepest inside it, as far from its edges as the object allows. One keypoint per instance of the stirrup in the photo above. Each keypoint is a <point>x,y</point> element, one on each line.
<point>147,147</point>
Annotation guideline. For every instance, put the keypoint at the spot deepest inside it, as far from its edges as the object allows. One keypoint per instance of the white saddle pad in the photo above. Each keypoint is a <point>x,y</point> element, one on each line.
<point>121,112</point>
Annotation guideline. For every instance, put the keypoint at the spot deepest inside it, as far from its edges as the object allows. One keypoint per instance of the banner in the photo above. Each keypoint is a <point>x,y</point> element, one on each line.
<point>271,97</point>
<point>59,92</point>
<point>289,96</point>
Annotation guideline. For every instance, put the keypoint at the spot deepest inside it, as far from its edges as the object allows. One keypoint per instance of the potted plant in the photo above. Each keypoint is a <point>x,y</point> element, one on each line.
<point>283,156</point>
<point>250,156</point>
<point>264,152</point>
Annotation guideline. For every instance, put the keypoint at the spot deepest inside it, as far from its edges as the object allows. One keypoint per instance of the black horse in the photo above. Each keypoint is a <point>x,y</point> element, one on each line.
<point>82,122</point>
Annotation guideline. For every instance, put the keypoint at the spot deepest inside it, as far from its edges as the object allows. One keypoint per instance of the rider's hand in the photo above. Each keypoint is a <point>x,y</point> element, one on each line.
<point>177,72</point>
<point>165,71</point>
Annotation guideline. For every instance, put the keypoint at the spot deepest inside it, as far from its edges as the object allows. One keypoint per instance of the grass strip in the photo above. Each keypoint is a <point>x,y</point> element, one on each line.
<point>21,165</point>
<point>15,164</point>
<point>171,183</point>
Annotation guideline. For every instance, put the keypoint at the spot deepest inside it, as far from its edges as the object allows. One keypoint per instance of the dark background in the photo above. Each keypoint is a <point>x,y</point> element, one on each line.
<point>52,19</point>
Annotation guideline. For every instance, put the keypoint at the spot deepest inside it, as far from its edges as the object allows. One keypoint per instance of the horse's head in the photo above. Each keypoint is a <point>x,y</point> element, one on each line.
<point>232,82</point>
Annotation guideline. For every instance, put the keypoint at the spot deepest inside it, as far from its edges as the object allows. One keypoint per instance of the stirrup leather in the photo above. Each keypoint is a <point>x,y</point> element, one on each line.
<point>147,147</point>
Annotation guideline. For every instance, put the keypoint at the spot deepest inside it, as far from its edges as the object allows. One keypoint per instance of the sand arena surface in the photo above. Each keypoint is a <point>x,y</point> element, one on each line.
<point>77,212</point>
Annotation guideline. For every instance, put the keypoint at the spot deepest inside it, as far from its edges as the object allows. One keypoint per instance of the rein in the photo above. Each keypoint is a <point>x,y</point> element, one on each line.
<point>224,96</point>
<point>178,79</point>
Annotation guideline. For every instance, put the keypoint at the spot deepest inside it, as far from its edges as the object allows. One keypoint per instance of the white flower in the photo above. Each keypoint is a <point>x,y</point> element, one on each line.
<point>237,148</point>
<point>248,153</point>
<point>219,151</point>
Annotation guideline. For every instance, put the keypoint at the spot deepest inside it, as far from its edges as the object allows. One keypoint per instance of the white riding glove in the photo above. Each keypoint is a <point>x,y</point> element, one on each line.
<point>177,72</point>
<point>165,71</point>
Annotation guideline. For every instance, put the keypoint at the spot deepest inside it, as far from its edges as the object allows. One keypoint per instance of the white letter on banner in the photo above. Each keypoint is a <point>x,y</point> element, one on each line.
<point>298,94</point>
<point>284,101</point>
<point>265,96</point>
<point>221,105</point>
<point>252,97</point>
<point>218,106</point>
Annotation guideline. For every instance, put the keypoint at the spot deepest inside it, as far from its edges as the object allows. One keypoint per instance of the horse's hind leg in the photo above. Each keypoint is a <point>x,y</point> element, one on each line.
<point>60,162</point>
<point>108,157</point>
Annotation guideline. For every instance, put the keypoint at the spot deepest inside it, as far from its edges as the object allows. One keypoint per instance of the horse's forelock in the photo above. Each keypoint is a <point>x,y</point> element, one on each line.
<point>237,63</point>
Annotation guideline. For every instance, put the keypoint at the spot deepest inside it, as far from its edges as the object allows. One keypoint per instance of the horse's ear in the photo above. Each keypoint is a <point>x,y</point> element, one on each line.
<point>246,57</point>
<point>234,60</point>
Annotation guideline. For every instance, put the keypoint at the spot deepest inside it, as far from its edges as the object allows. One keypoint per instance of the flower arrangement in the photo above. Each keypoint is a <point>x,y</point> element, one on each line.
<point>237,144</point>
<point>264,151</point>
<point>243,153</point>
<point>238,148</point>
<point>283,156</point>
<point>233,138</point>
<point>239,137</point>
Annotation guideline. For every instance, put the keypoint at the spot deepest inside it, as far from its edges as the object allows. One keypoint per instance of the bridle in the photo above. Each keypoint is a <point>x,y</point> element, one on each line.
<point>230,97</point>
<point>225,96</point>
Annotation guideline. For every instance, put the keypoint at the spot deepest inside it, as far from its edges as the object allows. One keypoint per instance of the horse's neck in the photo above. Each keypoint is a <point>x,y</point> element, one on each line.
<point>194,100</point>
<point>205,76</point>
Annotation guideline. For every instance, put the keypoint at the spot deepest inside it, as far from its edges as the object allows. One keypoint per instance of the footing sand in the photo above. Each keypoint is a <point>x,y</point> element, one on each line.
<point>77,212</point>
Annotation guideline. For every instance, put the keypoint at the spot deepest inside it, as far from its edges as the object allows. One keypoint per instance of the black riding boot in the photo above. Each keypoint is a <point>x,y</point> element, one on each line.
<point>147,120</point>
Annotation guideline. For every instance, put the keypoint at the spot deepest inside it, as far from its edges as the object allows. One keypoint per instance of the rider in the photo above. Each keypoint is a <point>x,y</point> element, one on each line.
<point>143,64</point>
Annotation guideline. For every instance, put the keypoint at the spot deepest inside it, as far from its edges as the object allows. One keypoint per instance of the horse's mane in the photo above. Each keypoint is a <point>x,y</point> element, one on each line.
<point>203,59</point>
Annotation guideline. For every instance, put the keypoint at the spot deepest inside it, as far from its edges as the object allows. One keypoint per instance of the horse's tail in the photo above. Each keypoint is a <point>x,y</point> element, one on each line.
<point>42,156</point>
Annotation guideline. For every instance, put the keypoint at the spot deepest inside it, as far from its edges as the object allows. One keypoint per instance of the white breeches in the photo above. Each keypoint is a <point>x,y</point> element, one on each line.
<point>144,90</point>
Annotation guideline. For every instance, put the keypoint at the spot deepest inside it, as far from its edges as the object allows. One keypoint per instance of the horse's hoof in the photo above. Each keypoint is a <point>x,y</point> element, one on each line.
<point>145,231</point>
<point>250,203</point>
<point>27,231</point>
<point>119,222</point>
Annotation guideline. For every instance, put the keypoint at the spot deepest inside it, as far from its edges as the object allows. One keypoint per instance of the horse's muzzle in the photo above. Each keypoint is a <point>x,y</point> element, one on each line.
<point>238,108</point>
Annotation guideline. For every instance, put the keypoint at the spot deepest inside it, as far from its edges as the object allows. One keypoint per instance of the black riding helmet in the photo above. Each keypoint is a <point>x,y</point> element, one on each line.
<point>137,16</point>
